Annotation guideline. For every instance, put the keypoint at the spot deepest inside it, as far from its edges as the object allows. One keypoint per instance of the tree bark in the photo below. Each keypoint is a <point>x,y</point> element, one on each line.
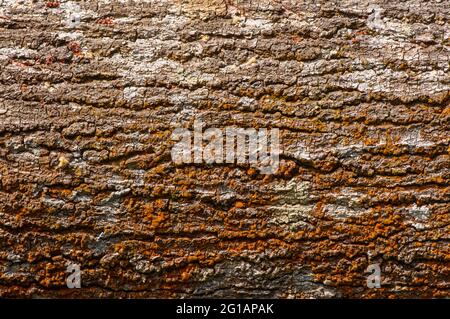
<point>91,92</point>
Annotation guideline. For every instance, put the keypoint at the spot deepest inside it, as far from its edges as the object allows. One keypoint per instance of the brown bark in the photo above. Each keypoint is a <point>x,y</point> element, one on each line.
<point>358,89</point>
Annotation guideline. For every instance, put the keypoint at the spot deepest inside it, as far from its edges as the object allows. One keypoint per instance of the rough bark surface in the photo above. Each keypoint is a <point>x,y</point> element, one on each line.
<point>358,89</point>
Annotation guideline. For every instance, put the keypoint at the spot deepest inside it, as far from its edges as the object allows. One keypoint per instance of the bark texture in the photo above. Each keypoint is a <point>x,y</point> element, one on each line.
<point>90,93</point>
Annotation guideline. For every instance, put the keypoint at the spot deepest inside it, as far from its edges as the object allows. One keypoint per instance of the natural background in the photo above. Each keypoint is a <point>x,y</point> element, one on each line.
<point>90,92</point>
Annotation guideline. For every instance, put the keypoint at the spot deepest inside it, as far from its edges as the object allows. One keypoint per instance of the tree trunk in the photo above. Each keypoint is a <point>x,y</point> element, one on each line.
<point>92,91</point>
